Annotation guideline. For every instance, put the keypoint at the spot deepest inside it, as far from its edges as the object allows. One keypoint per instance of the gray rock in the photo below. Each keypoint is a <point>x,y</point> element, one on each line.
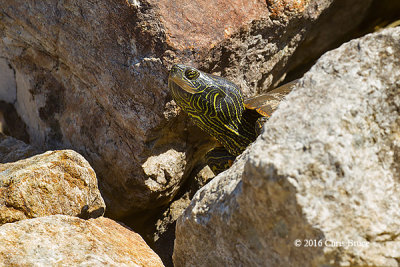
<point>12,149</point>
<point>326,168</point>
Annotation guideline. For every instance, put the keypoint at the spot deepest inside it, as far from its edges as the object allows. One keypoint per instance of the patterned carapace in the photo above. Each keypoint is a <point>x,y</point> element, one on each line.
<point>217,106</point>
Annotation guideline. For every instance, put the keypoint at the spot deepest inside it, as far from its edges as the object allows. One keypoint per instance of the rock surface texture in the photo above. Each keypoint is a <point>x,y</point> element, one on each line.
<point>91,76</point>
<point>56,182</point>
<point>61,240</point>
<point>326,167</point>
<point>12,149</point>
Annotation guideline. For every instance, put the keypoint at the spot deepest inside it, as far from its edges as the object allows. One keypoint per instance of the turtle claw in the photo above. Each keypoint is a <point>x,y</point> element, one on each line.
<point>219,159</point>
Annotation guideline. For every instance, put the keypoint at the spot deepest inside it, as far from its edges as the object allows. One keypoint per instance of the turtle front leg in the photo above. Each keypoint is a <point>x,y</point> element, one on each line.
<point>260,124</point>
<point>219,159</point>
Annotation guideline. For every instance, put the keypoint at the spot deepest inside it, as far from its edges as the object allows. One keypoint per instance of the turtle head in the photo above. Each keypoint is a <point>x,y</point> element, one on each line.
<point>184,78</point>
<point>214,103</point>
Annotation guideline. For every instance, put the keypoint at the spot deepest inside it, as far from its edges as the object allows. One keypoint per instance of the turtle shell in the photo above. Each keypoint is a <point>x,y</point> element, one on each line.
<point>267,103</point>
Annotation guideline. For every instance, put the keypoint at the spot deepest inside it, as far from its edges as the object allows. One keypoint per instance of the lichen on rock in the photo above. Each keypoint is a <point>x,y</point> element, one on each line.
<point>66,240</point>
<point>55,182</point>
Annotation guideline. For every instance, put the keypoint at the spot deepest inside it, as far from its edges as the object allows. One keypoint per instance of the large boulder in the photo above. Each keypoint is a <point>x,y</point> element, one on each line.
<point>61,240</point>
<point>91,76</point>
<point>55,182</point>
<point>321,185</point>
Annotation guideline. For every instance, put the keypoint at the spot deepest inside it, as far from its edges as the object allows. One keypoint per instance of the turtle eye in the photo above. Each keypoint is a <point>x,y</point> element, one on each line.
<point>191,74</point>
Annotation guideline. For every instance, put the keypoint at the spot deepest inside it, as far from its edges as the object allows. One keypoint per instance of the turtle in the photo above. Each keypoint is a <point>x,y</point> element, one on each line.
<point>217,106</point>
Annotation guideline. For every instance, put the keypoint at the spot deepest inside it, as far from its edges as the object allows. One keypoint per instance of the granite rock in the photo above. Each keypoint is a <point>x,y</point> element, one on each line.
<point>69,241</point>
<point>55,182</point>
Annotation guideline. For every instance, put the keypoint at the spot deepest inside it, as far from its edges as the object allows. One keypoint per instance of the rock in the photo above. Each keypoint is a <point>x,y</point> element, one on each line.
<point>324,172</point>
<point>55,182</point>
<point>70,241</point>
<point>11,123</point>
<point>161,170</point>
<point>93,77</point>
<point>158,228</point>
<point>366,17</point>
<point>12,149</point>
<point>257,55</point>
<point>96,87</point>
<point>164,234</point>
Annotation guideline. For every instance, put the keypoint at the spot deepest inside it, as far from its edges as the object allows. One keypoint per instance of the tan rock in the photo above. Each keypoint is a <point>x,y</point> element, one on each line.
<point>70,241</point>
<point>56,182</point>
<point>212,24</point>
<point>162,171</point>
<point>321,185</point>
